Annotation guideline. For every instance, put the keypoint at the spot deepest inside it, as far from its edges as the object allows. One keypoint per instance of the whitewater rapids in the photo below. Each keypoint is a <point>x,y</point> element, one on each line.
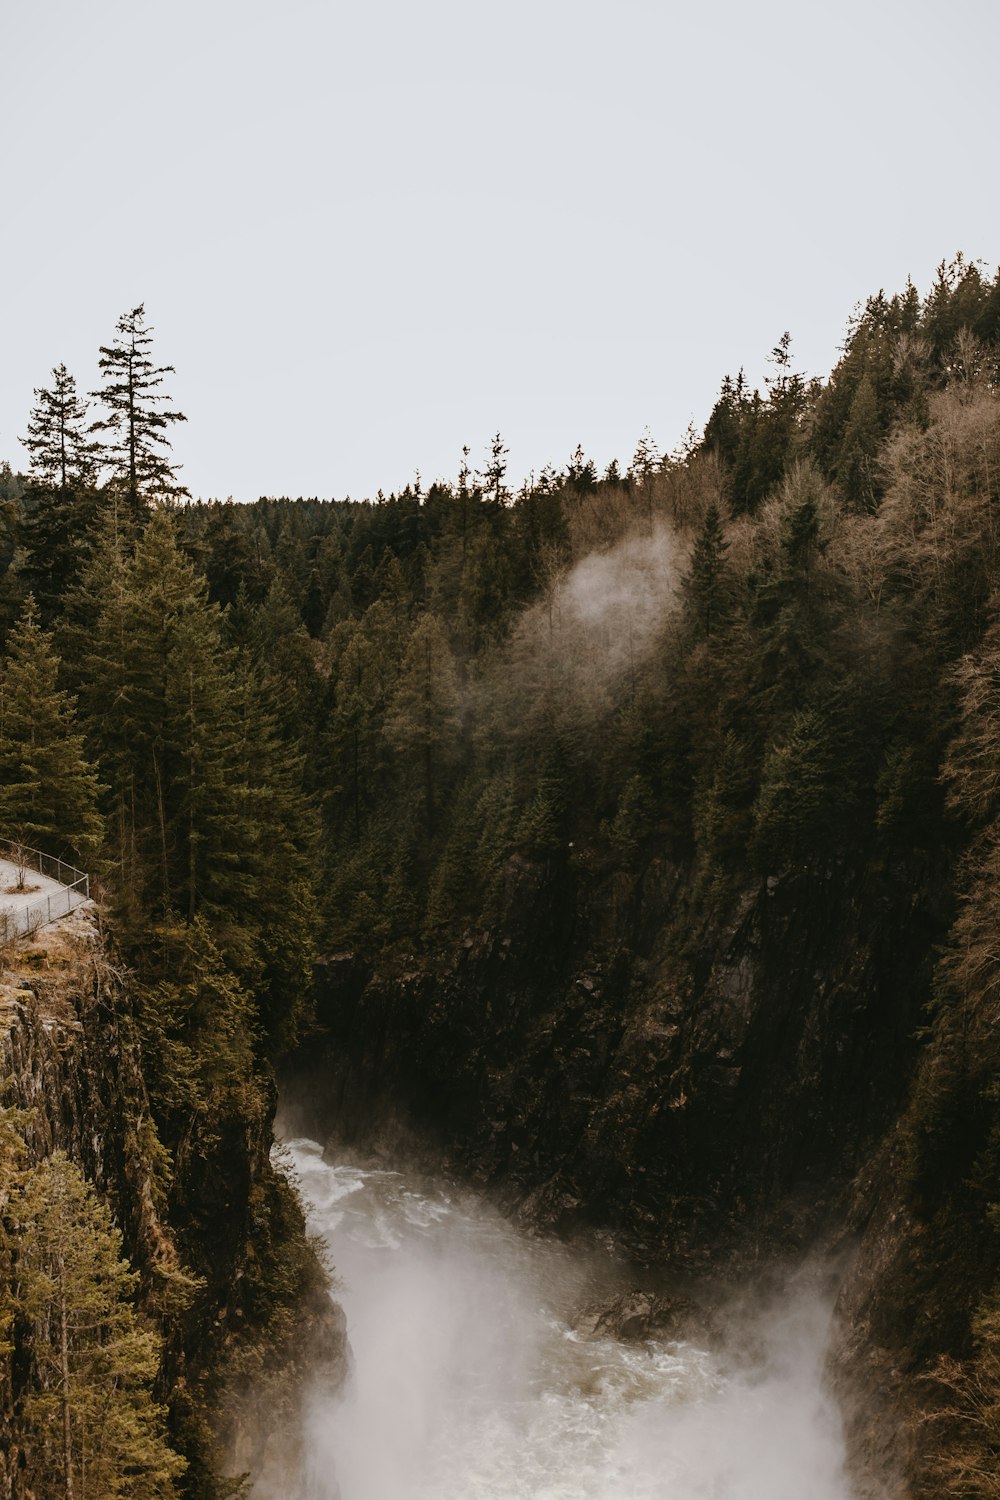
<point>469,1382</point>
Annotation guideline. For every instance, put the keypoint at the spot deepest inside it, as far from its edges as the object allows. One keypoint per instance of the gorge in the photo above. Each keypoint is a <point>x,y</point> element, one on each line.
<point>597,880</point>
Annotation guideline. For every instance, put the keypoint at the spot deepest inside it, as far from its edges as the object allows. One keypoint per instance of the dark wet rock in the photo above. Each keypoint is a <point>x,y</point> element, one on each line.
<point>635,1316</point>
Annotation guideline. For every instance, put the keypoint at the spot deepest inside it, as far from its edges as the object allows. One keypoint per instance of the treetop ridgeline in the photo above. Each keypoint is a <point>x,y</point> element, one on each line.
<point>802,521</point>
<point>122,456</point>
<point>301,726</point>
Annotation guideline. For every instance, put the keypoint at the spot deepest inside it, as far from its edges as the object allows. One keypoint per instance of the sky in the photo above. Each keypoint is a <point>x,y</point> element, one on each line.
<point>367,234</point>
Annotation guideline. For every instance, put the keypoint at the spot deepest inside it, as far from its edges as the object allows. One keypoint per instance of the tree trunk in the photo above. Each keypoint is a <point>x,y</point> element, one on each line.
<point>192,831</point>
<point>162,813</point>
<point>64,1369</point>
<point>429,787</point>
<point>357,793</point>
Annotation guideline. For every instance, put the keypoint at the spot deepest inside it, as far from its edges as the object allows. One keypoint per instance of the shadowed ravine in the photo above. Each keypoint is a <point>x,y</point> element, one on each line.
<point>470,1381</point>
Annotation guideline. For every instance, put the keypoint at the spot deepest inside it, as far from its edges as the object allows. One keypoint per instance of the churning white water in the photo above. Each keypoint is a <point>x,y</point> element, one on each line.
<point>470,1383</point>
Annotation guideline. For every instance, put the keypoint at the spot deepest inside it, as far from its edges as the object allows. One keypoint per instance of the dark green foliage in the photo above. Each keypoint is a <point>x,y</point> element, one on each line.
<point>48,789</point>
<point>199,1030</point>
<point>768,432</point>
<point>63,457</point>
<point>630,825</point>
<point>708,584</point>
<point>58,501</point>
<point>158,701</point>
<point>138,417</point>
<point>85,1420</point>
<point>796,806</point>
<point>424,721</point>
<point>722,430</point>
<point>722,805</point>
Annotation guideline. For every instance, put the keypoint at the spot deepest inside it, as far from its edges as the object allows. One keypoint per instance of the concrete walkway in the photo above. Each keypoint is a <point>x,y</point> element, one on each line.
<point>43,901</point>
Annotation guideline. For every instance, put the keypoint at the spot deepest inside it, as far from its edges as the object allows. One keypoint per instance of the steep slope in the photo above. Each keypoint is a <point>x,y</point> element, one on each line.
<point>223,1263</point>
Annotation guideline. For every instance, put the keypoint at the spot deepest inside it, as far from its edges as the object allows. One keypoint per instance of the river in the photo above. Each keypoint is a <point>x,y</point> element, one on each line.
<point>470,1381</point>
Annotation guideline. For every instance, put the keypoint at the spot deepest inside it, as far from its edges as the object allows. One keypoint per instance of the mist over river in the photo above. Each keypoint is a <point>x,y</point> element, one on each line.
<point>471,1380</point>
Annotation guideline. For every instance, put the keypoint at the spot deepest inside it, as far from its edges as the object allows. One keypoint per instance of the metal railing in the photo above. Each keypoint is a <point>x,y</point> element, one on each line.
<point>31,915</point>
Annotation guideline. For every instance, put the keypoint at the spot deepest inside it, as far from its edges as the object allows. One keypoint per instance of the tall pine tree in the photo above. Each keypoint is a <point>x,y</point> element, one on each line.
<point>707,584</point>
<point>48,790</point>
<point>58,506</point>
<point>138,420</point>
<point>87,1423</point>
<point>424,720</point>
<point>63,457</point>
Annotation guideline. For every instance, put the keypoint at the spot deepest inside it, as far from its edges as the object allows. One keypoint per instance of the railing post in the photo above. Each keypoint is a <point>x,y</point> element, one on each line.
<point>29,918</point>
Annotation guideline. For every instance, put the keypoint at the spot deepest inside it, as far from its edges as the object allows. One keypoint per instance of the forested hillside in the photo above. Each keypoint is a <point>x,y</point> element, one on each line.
<point>634,707</point>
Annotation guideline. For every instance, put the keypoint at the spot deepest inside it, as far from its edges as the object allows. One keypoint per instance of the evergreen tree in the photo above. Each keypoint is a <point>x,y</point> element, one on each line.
<point>424,719</point>
<point>581,471</point>
<point>797,805</point>
<point>494,476</point>
<point>48,790</point>
<point>63,457</point>
<point>707,583</point>
<point>646,459</point>
<point>208,813</point>
<point>88,1424</point>
<point>58,506</point>
<point>792,603</point>
<point>722,430</point>
<point>285,653</point>
<point>361,687</point>
<point>542,825</point>
<point>137,422</point>
<point>158,701</point>
<point>198,1029</point>
<point>720,806</point>
<point>857,466</point>
<point>205,818</point>
<point>768,430</point>
<point>281,862</point>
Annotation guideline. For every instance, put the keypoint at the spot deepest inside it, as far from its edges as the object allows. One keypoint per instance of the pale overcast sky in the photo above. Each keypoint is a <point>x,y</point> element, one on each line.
<point>368,233</point>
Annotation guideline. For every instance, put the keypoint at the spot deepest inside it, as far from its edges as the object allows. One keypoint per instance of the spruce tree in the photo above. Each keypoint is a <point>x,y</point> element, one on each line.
<point>424,720</point>
<point>137,423</point>
<point>723,428</point>
<point>283,859</point>
<point>157,696</point>
<point>287,655</point>
<point>48,790</point>
<point>494,475</point>
<point>203,806</point>
<point>706,583</point>
<point>87,1421</point>
<point>369,654</point>
<point>198,1029</point>
<point>796,807</point>
<point>57,509</point>
<point>63,457</point>
<point>208,815</point>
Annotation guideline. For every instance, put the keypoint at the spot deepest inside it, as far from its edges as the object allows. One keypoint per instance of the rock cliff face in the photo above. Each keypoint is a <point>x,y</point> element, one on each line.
<point>71,1055</point>
<point>71,1059</point>
<point>698,1081</point>
<point>715,1084</point>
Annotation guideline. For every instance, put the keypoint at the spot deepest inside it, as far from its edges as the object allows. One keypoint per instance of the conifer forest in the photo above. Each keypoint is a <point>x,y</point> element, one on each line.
<point>622,845</point>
